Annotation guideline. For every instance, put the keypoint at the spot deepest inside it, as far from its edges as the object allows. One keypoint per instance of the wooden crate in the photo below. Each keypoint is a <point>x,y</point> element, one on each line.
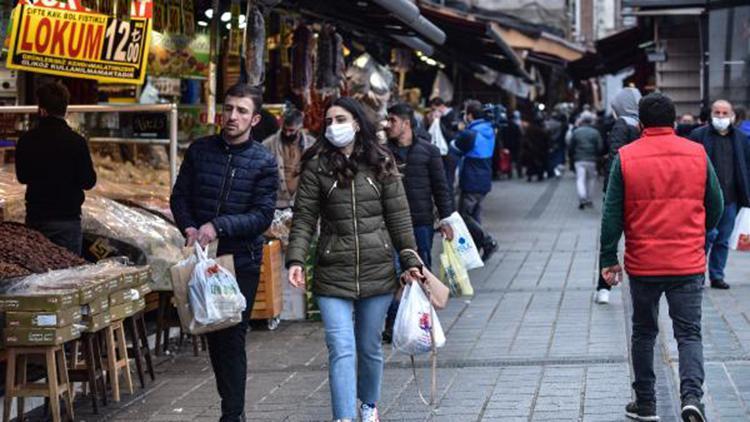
<point>269,298</point>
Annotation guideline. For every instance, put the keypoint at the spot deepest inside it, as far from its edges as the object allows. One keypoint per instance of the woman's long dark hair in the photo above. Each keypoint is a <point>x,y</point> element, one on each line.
<point>367,149</point>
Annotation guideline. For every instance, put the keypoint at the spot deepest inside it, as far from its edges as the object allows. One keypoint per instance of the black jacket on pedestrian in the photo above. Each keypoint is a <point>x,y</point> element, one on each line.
<point>448,125</point>
<point>708,137</point>
<point>55,164</point>
<point>232,186</point>
<point>424,180</point>
<point>621,134</point>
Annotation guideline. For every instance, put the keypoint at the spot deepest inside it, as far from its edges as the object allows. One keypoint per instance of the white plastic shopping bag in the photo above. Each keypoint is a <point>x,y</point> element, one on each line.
<point>740,238</point>
<point>415,319</point>
<point>214,294</point>
<point>463,244</point>
<point>206,293</point>
<point>437,137</point>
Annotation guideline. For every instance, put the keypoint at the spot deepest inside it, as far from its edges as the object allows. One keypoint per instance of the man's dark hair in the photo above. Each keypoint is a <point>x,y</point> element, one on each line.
<point>54,98</point>
<point>403,111</point>
<point>247,91</point>
<point>705,114</point>
<point>475,108</point>
<point>656,110</point>
<point>740,114</point>
<point>437,102</point>
<point>293,117</point>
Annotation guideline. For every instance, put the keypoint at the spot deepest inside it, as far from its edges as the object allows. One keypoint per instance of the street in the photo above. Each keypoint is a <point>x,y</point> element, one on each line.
<point>530,346</point>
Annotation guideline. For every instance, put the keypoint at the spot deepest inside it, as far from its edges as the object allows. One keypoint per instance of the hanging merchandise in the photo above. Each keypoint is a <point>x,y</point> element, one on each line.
<point>339,61</point>
<point>442,87</point>
<point>255,45</point>
<point>232,60</point>
<point>85,44</point>
<point>173,16</point>
<point>327,81</point>
<point>188,18</point>
<point>371,84</point>
<point>160,15</point>
<point>302,71</point>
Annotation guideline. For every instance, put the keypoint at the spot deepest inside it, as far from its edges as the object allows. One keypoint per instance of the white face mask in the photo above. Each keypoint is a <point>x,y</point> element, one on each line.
<point>721,123</point>
<point>340,135</point>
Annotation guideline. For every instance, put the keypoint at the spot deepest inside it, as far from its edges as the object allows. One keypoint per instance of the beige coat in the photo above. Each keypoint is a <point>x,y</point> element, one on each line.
<point>284,198</point>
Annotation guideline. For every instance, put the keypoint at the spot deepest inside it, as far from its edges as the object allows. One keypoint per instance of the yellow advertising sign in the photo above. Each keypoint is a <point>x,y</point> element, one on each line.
<point>79,43</point>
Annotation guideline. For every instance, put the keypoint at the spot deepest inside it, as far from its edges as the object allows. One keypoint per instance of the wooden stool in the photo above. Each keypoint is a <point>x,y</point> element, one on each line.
<point>56,387</point>
<point>90,371</point>
<point>136,326</point>
<point>117,358</point>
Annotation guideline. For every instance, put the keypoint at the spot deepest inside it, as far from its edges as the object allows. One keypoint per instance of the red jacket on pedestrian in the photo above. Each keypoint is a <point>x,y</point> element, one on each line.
<point>664,178</point>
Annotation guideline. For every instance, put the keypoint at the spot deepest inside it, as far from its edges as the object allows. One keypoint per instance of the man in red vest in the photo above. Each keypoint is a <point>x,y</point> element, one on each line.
<point>664,194</point>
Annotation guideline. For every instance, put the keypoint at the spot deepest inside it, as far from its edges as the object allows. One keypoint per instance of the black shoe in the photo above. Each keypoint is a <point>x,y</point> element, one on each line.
<point>693,410</point>
<point>387,336</point>
<point>582,205</point>
<point>643,411</point>
<point>719,284</point>
<point>489,249</point>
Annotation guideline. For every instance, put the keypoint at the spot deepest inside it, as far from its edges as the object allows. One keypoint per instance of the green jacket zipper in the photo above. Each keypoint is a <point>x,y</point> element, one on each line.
<point>356,237</point>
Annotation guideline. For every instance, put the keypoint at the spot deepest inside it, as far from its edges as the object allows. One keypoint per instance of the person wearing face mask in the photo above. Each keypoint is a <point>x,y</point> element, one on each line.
<point>350,187</point>
<point>729,151</point>
<point>288,145</point>
<point>226,191</point>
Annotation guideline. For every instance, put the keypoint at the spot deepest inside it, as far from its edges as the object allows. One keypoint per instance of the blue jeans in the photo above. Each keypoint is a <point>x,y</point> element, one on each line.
<point>355,353</point>
<point>424,236</point>
<point>685,301</point>
<point>717,243</point>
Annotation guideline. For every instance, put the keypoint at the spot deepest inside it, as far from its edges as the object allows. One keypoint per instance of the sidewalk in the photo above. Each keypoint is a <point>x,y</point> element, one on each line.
<point>530,346</point>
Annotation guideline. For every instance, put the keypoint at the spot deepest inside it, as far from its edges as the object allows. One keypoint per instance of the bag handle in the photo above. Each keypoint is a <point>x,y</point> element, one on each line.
<point>433,358</point>
<point>201,252</point>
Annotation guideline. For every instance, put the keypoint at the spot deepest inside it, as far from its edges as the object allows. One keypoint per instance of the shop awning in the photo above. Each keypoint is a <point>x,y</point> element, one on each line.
<point>471,41</point>
<point>378,17</point>
<point>613,54</point>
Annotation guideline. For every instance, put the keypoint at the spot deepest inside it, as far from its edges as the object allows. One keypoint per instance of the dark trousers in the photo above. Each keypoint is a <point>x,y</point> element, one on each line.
<point>685,300</point>
<point>226,348</point>
<point>450,162</point>
<point>65,233</point>
<point>470,208</point>
<point>601,284</point>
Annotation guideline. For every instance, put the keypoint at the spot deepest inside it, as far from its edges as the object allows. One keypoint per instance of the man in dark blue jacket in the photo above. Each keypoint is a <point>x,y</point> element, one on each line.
<point>729,151</point>
<point>476,144</point>
<point>226,190</point>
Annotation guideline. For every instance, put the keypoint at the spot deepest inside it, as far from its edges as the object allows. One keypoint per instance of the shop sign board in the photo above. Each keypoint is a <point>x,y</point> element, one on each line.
<point>179,56</point>
<point>63,38</point>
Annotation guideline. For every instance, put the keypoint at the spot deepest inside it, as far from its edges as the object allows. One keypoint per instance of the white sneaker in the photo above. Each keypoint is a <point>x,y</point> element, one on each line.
<point>602,296</point>
<point>369,414</point>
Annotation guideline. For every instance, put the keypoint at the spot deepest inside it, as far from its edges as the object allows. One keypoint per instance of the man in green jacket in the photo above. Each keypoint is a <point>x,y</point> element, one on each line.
<point>664,194</point>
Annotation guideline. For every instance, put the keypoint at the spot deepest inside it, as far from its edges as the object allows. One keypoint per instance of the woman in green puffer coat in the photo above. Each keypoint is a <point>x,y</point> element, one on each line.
<point>350,184</point>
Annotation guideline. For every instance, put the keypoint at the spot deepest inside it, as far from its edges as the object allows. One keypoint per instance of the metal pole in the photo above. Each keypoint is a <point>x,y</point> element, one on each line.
<point>212,65</point>
<point>173,145</point>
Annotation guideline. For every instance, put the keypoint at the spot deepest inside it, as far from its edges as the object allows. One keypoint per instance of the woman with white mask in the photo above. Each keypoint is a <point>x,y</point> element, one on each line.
<point>350,186</point>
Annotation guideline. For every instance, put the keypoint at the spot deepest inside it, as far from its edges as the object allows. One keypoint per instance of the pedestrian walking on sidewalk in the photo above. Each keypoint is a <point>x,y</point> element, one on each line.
<point>54,163</point>
<point>626,129</point>
<point>424,182</point>
<point>226,190</point>
<point>351,186</point>
<point>664,194</point>
<point>729,151</point>
<point>586,146</point>
<point>476,145</point>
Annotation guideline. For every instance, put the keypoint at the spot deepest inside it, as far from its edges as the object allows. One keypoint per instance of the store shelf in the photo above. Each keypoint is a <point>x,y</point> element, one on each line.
<point>143,141</point>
